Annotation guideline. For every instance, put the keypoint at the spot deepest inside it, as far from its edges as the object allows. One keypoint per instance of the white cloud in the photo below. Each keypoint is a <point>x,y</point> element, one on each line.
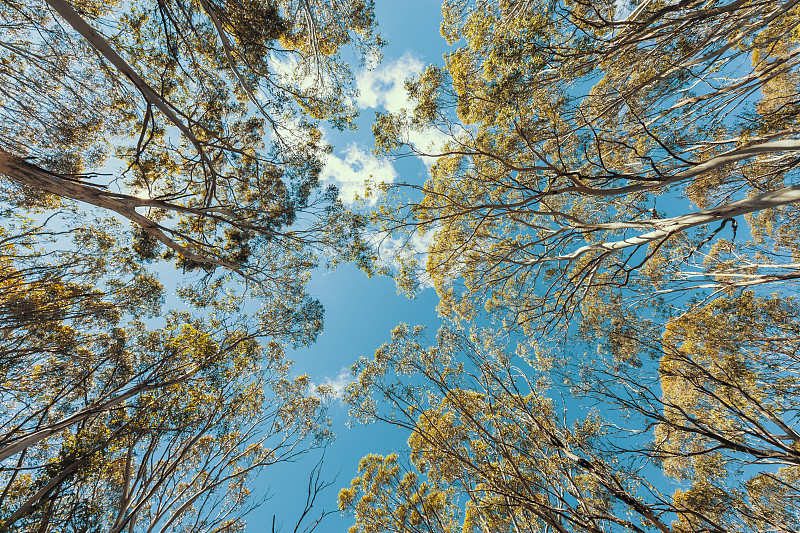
<point>384,87</point>
<point>429,141</point>
<point>288,69</point>
<point>334,386</point>
<point>622,10</point>
<point>358,168</point>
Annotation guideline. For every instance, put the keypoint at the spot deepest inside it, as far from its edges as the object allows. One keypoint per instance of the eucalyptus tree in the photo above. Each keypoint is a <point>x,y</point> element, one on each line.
<point>598,146</point>
<point>488,449</point>
<point>207,111</point>
<point>117,417</point>
<point>496,443</point>
<point>601,157</point>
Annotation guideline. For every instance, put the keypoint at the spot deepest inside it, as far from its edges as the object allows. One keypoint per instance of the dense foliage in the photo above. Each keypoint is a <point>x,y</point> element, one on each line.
<point>613,231</point>
<point>131,134</point>
<point>599,146</point>
<point>207,114</point>
<point>614,240</point>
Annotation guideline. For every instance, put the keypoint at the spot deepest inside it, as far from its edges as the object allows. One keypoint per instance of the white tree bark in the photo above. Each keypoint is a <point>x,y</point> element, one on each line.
<point>24,173</point>
<point>669,226</point>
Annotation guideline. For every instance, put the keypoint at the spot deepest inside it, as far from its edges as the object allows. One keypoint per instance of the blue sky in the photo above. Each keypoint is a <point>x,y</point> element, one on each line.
<point>359,312</point>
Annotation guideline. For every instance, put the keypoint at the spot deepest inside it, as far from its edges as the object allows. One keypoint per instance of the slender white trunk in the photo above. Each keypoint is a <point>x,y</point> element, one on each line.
<point>727,158</point>
<point>74,19</point>
<point>669,226</point>
<point>24,173</point>
<point>93,409</point>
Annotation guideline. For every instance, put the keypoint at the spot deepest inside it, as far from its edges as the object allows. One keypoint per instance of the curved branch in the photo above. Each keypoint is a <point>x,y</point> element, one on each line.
<point>668,226</point>
<point>28,174</point>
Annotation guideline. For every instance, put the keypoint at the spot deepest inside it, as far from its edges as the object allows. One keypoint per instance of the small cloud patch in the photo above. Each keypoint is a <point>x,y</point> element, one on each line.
<point>385,86</point>
<point>355,171</point>
<point>333,387</point>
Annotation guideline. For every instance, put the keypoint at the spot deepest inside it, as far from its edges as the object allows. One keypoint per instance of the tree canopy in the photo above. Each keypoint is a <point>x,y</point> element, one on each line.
<point>132,133</point>
<point>109,423</point>
<point>613,227</point>
<point>208,111</point>
<point>612,219</point>
<point>595,147</point>
<point>496,444</point>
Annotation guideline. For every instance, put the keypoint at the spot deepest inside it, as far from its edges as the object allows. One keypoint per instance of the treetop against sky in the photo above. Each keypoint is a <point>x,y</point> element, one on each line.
<point>594,203</point>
